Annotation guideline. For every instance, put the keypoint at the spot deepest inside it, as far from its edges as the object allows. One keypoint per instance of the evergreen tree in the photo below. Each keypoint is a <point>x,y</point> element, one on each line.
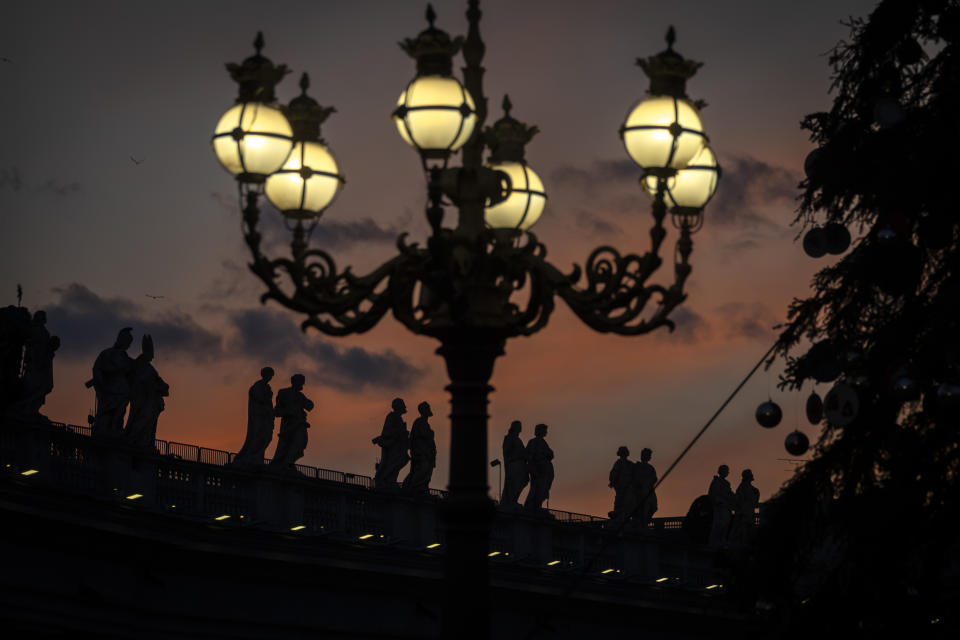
<point>864,538</point>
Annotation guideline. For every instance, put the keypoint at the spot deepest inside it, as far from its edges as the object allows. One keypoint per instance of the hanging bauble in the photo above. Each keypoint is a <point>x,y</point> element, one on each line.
<point>837,238</point>
<point>858,381</point>
<point>886,236</point>
<point>948,396</point>
<point>821,362</point>
<point>905,388</point>
<point>769,414</point>
<point>797,443</point>
<point>815,243</point>
<point>814,408</point>
<point>887,112</point>
<point>841,405</point>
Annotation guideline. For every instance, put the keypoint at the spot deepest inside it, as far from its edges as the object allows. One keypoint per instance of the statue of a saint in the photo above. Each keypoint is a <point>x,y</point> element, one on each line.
<point>39,350</point>
<point>292,407</point>
<point>540,464</point>
<point>260,419</point>
<point>393,443</point>
<point>14,333</point>
<point>111,372</point>
<point>745,504</point>
<point>645,479</point>
<point>423,452</point>
<point>722,501</point>
<point>147,391</point>
<point>622,482</point>
<point>515,466</point>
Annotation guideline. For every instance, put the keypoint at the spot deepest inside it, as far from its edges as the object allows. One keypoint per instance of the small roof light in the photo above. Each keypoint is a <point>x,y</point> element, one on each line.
<point>553,563</point>
<point>366,536</point>
<point>433,545</point>
<point>606,571</point>
<point>661,579</point>
<point>134,496</point>
<point>299,527</point>
<point>493,553</point>
<point>714,586</point>
<point>30,472</point>
<point>221,518</point>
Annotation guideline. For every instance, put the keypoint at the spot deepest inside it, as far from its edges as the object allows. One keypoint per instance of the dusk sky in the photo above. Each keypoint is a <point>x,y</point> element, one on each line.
<point>92,235</point>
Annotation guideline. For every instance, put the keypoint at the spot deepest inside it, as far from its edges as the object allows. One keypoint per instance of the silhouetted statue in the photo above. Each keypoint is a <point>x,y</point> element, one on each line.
<point>645,479</point>
<point>540,464</point>
<point>514,466</point>
<point>423,452</point>
<point>147,391</point>
<point>745,504</point>
<point>722,501</point>
<point>259,421</point>
<point>111,372</point>
<point>37,381</point>
<point>292,407</point>
<point>14,333</point>
<point>393,442</point>
<point>622,482</point>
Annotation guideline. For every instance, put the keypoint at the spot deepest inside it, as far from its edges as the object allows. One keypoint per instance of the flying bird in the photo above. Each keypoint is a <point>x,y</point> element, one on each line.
<point>154,297</point>
<point>135,161</point>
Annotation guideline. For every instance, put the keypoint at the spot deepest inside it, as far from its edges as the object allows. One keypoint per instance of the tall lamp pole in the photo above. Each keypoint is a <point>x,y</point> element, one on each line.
<point>482,282</point>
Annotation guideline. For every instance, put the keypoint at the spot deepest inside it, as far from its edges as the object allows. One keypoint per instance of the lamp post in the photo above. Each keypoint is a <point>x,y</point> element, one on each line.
<point>463,287</point>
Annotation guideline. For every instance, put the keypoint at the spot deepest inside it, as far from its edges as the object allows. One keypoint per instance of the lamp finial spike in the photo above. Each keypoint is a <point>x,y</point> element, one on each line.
<point>258,42</point>
<point>671,37</point>
<point>507,105</point>
<point>304,82</point>
<point>431,14</point>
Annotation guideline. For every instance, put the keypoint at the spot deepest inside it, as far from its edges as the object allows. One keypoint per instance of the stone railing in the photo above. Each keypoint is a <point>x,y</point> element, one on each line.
<point>195,483</point>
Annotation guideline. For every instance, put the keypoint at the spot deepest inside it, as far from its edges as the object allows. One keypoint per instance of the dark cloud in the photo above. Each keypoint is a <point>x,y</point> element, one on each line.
<point>690,325</point>
<point>10,178</point>
<point>599,174</point>
<point>231,280</point>
<point>340,235</point>
<point>748,187</point>
<point>747,320</point>
<point>229,203</point>
<point>52,187</point>
<point>87,323</point>
<point>594,225</point>
<point>272,338</point>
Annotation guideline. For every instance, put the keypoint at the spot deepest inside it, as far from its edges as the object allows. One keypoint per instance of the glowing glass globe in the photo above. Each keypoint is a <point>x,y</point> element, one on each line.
<point>663,132</point>
<point>252,140</point>
<point>435,115</point>
<point>691,187</point>
<point>524,203</point>
<point>307,182</point>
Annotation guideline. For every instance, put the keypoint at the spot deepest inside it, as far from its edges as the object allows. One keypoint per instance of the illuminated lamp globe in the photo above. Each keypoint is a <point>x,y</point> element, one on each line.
<point>524,202</point>
<point>307,182</point>
<point>435,115</point>
<point>252,140</point>
<point>692,187</point>
<point>663,132</point>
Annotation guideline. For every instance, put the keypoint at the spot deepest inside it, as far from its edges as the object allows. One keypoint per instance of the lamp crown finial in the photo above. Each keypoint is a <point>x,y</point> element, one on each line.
<point>431,15</point>
<point>671,37</point>
<point>304,82</point>
<point>258,42</point>
<point>507,105</point>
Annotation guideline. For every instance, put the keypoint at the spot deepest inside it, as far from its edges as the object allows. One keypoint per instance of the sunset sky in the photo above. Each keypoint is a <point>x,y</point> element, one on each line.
<point>93,235</point>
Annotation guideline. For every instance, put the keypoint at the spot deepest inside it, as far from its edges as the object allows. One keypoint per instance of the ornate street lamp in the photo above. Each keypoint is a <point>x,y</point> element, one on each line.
<point>462,288</point>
